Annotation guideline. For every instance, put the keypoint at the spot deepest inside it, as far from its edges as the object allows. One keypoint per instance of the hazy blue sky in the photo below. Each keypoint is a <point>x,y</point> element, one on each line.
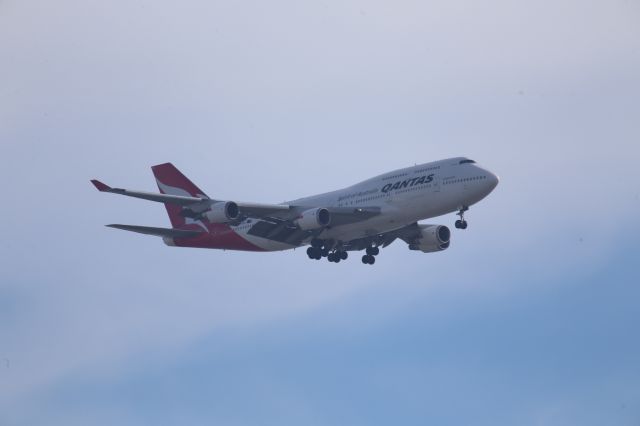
<point>530,318</point>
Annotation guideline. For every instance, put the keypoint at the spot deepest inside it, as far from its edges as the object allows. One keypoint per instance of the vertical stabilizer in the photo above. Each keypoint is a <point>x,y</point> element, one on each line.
<point>171,181</point>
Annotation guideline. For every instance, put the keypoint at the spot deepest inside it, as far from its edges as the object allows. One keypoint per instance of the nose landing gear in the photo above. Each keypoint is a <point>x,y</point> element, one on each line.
<point>462,224</point>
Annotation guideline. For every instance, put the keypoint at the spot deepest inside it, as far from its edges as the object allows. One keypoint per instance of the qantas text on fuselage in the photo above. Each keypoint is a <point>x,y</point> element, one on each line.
<point>366,216</point>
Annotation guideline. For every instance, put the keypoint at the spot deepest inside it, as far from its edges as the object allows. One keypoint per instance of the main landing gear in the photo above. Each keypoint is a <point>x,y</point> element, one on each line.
<point>337,256</point>
<point>462,224</point>
<point>369,259</point>
<point>320,249</point>
<point>335,253</point>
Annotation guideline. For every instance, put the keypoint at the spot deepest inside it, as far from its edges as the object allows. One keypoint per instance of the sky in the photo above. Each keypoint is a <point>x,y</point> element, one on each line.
<point>529,318</point>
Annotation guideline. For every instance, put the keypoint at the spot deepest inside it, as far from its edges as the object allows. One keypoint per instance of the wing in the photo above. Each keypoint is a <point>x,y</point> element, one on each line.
<point>274,221</point>
<point>256,210</point>
<point>348,215</point>
<point>151,196</point>
<point>280,225</point>
<point>195,205</point>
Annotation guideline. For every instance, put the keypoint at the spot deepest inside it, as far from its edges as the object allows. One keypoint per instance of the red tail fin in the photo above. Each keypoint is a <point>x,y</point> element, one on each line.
<point>171,181</point>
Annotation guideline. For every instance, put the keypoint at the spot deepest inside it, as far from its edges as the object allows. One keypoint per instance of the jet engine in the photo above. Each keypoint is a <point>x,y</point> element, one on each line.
<point>313,219</point>
<point>432,238</point>
<point>222,212</point>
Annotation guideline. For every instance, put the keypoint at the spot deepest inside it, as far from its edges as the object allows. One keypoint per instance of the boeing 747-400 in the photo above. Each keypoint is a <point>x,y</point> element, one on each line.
<point>366,216</point>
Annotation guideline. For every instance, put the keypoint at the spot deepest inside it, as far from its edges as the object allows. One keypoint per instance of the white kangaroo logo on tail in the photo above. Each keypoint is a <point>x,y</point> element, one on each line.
<point>172,190</point>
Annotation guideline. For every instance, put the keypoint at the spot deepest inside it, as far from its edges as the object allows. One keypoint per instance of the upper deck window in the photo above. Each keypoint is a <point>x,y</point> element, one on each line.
<point>467,162</point>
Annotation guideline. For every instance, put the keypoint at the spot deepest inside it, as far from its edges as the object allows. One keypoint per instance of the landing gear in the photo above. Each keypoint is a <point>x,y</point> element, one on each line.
<point>318,249</point>
<point>462,224</point>
<point>337,256</point>
<point>314,253</point>
<point>368,259</point>
<point>330,249</point>
<point>335,253</point>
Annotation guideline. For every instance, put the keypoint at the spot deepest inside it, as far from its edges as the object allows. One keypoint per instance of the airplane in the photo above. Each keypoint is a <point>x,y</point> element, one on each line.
<point>368,216</point>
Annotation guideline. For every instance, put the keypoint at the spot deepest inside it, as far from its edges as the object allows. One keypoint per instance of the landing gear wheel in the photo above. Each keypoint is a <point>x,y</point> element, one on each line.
<point>368,259</point>
<point>344,255</point>
<point>461,223</point>
<point>314,253</point>
<point>325,252</point>
<point>373,251</point>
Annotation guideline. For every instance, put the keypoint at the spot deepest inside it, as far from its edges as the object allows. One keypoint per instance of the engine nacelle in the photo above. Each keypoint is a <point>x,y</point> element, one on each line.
<point>432,238</point>
<point>222,212</point>
<point>314,219</point>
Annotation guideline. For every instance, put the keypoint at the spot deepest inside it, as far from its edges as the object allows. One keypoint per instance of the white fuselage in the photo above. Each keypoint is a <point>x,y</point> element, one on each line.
<point>404,196</point>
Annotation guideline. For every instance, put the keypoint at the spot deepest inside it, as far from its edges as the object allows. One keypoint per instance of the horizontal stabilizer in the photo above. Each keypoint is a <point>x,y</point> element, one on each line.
<point>159,232</point>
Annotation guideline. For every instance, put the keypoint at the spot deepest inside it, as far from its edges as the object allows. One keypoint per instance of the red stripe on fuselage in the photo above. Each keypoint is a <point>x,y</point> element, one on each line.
<point>220,236</point>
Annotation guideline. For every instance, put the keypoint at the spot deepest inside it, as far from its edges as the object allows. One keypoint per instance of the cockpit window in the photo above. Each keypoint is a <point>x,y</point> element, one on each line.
<point>467,161</point>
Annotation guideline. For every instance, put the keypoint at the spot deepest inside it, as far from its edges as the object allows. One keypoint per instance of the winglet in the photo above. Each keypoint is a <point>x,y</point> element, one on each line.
<point>100,186</point>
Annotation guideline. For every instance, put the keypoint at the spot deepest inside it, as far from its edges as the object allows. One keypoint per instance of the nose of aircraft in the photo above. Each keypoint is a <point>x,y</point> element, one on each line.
<point>493,180</point>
